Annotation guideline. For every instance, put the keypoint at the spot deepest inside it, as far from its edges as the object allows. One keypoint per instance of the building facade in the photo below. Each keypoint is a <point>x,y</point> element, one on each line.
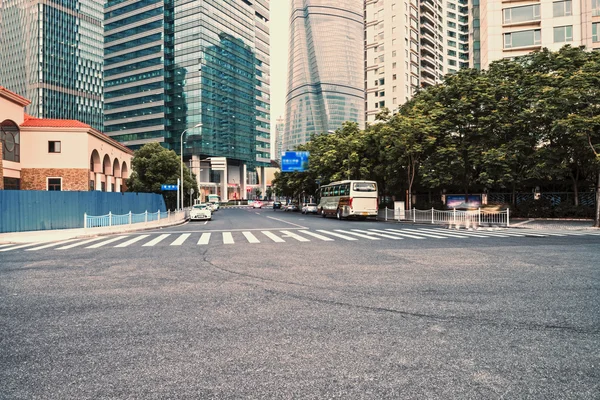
<point>52,54</point>
<point>511,29</point>
<point>325,68</point>
<point>199,67</point>
<point>279,132</point>
<point>56,154</point>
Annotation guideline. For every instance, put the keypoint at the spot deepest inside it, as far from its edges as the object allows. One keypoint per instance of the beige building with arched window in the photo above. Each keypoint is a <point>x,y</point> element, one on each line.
<point>55,154</point>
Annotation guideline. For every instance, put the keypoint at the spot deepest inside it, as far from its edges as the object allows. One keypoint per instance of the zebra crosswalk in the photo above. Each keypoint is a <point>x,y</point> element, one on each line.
<point>283,236</point>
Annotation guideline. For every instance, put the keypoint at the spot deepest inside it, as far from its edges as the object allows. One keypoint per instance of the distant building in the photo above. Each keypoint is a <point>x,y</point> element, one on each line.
<point>279,132</point>
<point>171,66</point>
<point>511,29</point>
<point>326,68</point>
<point>56,154</point>
<point>51,53</point>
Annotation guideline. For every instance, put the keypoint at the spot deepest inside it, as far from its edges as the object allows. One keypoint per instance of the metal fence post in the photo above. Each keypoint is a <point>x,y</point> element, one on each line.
<point>386,214</point>
<point>479,216</point>
<point>414,214</point>
<point>432,215</point>
<point>168,215</point>
<point>109,218</point>
<point>158,215</point>
<point>130,219</point>
<point>85,220</point>
<point>507,218</point>
<point>454,216</point>
<point>146,216</point>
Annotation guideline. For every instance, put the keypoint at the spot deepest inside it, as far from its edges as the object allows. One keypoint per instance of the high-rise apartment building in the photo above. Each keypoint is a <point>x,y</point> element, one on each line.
<point>326,68</point>
<point>171,66</point>
<point>51,53</point>
<point>511,29</point>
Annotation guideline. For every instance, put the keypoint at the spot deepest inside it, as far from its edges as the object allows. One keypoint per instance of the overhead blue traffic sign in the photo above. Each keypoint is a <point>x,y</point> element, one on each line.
<point>168,187</point>
<point>294,161</point>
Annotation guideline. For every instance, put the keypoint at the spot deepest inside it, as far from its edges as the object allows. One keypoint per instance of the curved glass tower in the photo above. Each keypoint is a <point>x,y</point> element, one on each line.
<point>326,68</point>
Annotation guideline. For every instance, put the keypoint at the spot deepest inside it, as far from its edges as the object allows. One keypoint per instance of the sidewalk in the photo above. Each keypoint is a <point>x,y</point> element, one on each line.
<point>66,234</point>
<point>552,224</point>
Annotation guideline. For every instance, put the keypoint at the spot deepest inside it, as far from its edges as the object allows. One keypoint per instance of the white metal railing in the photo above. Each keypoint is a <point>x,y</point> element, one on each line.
<point>466,218</point>
<point>110,219</point>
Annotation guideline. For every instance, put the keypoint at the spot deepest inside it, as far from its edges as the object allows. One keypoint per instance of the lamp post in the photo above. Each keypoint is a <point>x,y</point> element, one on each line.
<point>183,133</point>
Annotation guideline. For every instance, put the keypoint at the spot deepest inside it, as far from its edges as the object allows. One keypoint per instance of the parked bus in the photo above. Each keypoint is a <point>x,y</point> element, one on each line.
<point>349,199</point>
<point>213,198</point>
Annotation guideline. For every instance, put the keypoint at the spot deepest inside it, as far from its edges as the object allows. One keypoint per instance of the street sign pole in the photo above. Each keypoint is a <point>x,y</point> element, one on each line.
<point>178,188</point>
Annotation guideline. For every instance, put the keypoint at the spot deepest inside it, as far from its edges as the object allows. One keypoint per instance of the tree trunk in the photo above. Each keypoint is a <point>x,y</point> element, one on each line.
<point>597,219</point>
<point>576,188</point>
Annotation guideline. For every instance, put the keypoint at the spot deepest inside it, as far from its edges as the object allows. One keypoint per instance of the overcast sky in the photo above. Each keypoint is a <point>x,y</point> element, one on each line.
<point>279,31</point>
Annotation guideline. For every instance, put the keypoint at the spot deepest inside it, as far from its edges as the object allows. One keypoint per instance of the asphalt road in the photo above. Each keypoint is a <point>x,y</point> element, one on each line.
<point>247,314</point>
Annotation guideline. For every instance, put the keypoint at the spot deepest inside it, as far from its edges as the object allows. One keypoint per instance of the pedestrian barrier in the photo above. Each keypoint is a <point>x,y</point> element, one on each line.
<point>454,217</point>
<point>110,219</point>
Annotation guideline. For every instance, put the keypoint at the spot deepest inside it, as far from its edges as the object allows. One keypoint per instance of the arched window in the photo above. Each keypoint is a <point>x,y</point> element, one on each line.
<point>95,161</point>
<point>10,136</point>
<point>106,166</point>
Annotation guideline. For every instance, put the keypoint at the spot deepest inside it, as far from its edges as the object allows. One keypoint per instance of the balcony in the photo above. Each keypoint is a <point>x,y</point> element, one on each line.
<point>429,6</point>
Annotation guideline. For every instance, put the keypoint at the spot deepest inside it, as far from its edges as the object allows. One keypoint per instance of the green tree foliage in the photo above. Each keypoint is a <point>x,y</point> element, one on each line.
<point>532,121</point>
<point>153,165</point>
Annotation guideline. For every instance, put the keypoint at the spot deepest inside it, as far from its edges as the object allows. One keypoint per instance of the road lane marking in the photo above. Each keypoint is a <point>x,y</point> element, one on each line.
<point>361,235</point>
<point>97,245</point>
<point>228,238</point>
<point>156,240</point>
<point>430,233</point>
<point>294,236</point>
<point>18,246</point>
<point>6,244</point>
<point>336,234</point>
<point>286,222</point>
<point>324,238</point>
<point>51,245</point>
<point>179,241</point>
<point>411,232</point>
<point>132,241</point>
<point>474,233</point>
<point>273,237</point>
<point>250,237</point>
<point>379,233</point>
<point>79,243</point>
<point>204,238</point>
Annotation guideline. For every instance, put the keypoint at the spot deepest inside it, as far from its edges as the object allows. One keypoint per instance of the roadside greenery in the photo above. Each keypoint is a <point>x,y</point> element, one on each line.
<point>153,165</point>
<point>529,122</point>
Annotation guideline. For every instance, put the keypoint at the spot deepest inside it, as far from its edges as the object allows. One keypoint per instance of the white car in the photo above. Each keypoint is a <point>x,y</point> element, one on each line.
<point>213,206</point>
<point>257,204</point>
<point>309,208</point>
<point>200,212</point>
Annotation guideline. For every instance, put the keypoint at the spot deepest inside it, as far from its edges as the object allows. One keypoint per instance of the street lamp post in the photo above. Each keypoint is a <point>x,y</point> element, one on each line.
<point>183,133</point>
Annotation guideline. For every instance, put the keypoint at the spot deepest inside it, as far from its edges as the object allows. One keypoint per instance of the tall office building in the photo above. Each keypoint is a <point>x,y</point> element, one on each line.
<point>171,66</point>
<point>511,29</point>
<point>279,132</point>
<point>51,53</point>
<point>326,68</point>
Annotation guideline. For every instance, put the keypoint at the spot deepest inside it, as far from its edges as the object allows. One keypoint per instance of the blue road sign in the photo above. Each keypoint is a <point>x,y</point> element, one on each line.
<point>294,161</point>
<point>168,187</point>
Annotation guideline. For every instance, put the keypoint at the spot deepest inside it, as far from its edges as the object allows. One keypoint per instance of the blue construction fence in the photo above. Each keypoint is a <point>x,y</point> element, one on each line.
<point>34,210</point>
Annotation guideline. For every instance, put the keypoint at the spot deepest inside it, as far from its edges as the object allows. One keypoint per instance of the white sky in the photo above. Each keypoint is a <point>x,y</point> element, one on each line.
<point>279,31</point>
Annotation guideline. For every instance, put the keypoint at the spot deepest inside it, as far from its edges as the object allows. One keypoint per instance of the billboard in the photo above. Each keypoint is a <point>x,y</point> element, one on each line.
<point>458,201</point>
<point>294,161</point>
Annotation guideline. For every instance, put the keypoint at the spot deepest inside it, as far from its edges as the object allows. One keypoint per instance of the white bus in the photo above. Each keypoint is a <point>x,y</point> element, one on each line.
<point>213,198</point>
<point>349,199</point>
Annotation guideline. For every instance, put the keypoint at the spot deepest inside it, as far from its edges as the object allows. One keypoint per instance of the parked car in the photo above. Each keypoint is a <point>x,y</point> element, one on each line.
<point>200,212</point>
<point>214,206</point>
<point>309,208</point>
<point>276,205</point>
<point>257,204</point>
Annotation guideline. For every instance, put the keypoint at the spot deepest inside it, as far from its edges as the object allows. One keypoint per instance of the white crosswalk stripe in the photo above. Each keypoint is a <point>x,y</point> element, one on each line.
<point>251,238</point>
<point>379,233</point>
<point>294,236</point>
<point>79,243</point>
<point>51,245</point>
<point>179,241</point>
<point>273,237</point>
<point>323,238</point>
<point>361,235</point>
<point>6,244</point>
<point>281,236</point>
<point>97,245</point>
<point>337,234</point>
<point>204,238</point>
<point>228,238</point>
<point>132,241</point>
<point>156,240</point>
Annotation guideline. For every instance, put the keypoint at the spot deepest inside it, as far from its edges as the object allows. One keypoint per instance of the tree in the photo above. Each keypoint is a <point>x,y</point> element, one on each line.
<point>269,192</point>
<point>153,165</point>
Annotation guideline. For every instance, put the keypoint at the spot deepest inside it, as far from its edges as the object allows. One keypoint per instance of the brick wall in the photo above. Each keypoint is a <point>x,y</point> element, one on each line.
<point>72,178</point>
<point>1,166</point>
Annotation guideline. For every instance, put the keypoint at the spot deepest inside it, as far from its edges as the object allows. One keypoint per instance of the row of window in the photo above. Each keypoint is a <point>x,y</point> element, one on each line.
<point>533,37</point>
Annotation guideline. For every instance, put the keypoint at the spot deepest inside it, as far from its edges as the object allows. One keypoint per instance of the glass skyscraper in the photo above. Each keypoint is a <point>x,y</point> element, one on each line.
<point>326,68</point>
<point>171,65</point>
<point>51,53</point>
